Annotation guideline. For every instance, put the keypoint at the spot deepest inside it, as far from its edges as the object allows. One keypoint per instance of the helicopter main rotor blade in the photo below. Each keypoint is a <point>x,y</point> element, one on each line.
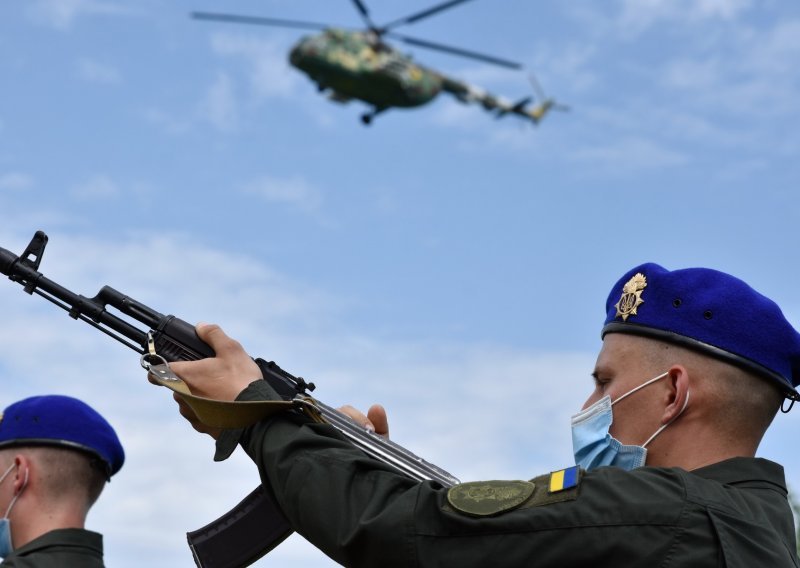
<point>420,15</point>
<point>457,51</point>
<point>258,21</point>
<point>362,9</point>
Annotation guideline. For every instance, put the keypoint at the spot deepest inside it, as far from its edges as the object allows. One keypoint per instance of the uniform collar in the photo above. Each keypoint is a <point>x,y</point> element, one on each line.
<point>744,470</point>
<point>63,537</point>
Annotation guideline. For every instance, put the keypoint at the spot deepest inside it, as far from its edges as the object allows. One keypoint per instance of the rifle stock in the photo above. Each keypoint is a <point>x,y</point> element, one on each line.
<point>176,340</point>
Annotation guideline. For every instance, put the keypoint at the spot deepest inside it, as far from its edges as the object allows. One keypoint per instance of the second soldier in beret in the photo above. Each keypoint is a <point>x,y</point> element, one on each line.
<point>56,455</point>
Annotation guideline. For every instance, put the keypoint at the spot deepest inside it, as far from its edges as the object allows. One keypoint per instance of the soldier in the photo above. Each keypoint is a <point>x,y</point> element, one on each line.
<point>693,368</point>
<point>56,455</point>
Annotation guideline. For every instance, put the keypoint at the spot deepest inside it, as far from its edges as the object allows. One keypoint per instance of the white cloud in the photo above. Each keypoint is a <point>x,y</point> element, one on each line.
<point>15,181</point>
<point>509,133</point>
<point>724,9</point>
<point>269,73</point>
<point>61,14</point>
<point>757,80</point>
<point>637,16</point>
<point>693,74</point>
<point>454,113</point>
<point>627,155</point>
<point>219,105</point>
<point>780,49</point>
<point>168,121</point>
<point>572,65</point>
<point>294,191</point>
<point>99,186</point>
<point>96,72</point>
<point>723,84</point>
<point>520,135</point>
<point>769,60</point>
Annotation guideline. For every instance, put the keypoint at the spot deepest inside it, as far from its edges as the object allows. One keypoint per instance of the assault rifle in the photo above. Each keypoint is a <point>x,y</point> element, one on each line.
<point>256,525</point>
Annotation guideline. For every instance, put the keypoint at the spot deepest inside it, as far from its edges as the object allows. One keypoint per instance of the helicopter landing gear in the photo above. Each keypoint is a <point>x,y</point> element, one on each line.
<point>367,117</point>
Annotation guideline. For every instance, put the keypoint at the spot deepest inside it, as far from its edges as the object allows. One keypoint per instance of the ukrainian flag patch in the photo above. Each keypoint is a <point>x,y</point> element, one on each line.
<point>564,479</point>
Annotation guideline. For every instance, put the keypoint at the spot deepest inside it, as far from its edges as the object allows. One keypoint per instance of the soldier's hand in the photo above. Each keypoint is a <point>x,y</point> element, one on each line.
<point>375,419</point>
<point>222,377</point>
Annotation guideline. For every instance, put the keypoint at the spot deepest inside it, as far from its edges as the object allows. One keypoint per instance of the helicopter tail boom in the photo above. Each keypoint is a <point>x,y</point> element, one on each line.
<point>500,106</point>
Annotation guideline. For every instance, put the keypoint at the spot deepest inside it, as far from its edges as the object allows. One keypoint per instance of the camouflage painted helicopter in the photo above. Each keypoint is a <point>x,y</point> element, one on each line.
<point>359,64</point>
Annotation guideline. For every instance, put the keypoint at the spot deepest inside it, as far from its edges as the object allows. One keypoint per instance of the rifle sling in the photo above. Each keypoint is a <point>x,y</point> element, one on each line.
<point>221,413</point>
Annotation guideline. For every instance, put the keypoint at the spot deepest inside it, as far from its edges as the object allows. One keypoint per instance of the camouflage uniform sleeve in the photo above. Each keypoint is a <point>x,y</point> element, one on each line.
<point>357,510</point>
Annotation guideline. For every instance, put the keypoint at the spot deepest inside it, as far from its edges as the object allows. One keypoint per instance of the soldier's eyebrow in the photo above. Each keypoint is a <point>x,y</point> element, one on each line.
<point>601,371</point>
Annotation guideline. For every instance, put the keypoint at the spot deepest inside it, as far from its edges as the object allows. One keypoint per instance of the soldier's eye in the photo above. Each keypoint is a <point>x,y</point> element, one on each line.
<point>600,382</point>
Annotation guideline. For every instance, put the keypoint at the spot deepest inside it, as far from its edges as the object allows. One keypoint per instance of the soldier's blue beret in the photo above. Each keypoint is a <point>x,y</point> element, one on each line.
<point>709,311</point>
<point>56,420</point>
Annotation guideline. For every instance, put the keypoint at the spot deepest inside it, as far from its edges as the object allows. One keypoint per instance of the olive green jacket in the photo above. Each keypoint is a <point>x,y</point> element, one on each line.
<point>360,512</point>
<point>61,548</point>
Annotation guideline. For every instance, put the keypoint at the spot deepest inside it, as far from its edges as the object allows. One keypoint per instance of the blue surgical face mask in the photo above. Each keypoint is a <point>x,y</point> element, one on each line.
<point>594,446</point>
<point>6,546</point>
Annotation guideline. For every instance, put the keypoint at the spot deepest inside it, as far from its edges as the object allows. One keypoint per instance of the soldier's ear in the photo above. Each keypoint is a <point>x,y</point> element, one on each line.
<point>22,475</point>
<point>678,381</point>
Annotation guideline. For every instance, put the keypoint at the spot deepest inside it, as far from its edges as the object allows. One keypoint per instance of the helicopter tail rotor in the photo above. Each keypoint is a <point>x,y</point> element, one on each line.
<point>535,113</point>
<point>546,104</point>
<point>537,89</point>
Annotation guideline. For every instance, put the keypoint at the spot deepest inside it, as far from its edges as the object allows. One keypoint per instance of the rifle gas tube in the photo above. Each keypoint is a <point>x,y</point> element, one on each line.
<point>176,340</point>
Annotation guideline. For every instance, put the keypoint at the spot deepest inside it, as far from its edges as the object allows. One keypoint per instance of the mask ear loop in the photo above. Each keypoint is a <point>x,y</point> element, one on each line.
<point>641,386</point>
<point>3,477</point>
<point>18,493</point>
<point>661,429</point>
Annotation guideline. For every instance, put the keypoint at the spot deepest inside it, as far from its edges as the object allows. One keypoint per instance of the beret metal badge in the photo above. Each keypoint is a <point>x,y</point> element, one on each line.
<point>631,297</point>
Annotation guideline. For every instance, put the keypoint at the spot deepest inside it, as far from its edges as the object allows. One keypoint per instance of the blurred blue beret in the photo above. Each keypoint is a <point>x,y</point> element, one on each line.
<point>709,311</point>
<point>55,420</point>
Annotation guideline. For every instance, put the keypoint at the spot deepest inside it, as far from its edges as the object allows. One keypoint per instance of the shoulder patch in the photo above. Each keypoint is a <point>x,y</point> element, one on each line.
<point>487,498</point>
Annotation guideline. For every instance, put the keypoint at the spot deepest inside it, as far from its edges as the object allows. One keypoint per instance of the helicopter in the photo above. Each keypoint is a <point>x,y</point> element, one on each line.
<point>359,64</point>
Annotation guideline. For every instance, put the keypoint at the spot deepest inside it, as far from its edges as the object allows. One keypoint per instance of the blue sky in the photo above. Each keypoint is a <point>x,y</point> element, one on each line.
<point>441,261</point>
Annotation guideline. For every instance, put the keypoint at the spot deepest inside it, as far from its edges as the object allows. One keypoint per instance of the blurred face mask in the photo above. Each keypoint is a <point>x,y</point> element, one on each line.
<point>594,446</point>
<point>6,547</point>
